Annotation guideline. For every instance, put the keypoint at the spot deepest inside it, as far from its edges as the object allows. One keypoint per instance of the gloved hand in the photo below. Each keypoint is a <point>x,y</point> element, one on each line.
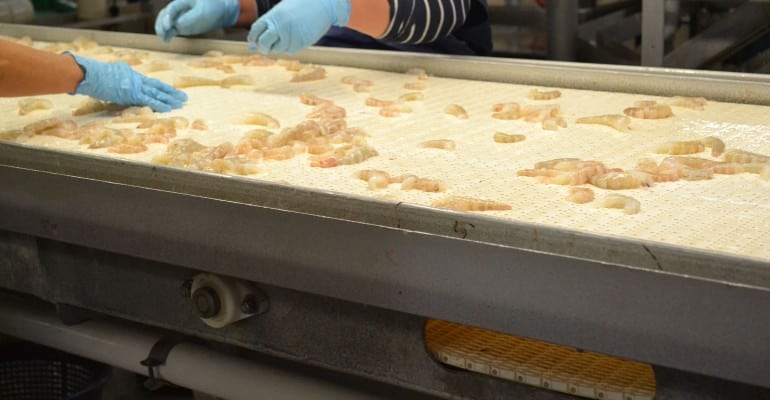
<point>293,25</point>
<point>119,84</point>
<point>193,17</point>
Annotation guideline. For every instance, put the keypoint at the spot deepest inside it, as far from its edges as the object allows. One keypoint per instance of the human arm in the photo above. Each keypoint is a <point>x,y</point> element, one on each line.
<point>26,71</point>
<point>291,25</point>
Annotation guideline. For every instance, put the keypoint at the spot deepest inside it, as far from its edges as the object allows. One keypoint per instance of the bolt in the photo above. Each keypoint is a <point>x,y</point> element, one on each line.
<point>250,305</point>
<point>206,302</point>
<point>185,288</point>
<point>256,303</point>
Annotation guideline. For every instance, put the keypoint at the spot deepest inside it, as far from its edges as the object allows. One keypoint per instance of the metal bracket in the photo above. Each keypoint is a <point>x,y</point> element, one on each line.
<point>157,357</point>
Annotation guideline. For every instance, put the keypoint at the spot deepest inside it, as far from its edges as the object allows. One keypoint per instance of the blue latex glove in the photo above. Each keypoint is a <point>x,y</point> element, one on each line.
<point>193,17</point>
<point>118,83</point>
<point>293,25</point>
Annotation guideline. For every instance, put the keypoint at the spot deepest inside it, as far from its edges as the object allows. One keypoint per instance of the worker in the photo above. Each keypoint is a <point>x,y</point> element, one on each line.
<point>288,26</point>
<point>26,71</point>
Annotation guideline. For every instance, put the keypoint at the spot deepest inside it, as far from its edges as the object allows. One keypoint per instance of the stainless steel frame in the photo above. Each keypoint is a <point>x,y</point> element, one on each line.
<point>691,310</point>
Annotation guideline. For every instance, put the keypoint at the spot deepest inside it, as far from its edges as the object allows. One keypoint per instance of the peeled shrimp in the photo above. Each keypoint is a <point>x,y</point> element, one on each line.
<point>460,203</point>
<point>680,147</point>
<point>616,121</point>
<point>260,118</point>
<point>697,103</point>
<point>536,94</point>
<point>629,204</point>
<point>500,137</point>
<point>745,157</point>
<point>443,144</point>
<point>615,180</point>
<point>456,110</point>
<point>309,73</point>
<point>27,106</point>
<point>647,109</point>
<point>376,179</point>
<point>580,195</point>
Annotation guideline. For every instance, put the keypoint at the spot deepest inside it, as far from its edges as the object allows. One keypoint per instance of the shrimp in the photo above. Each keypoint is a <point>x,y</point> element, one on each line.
<point>536,94</point>
<point>199,125</point>
<point>394,110</point>
<point>716,145</point>
<point>580,195</point>
<point>697,103</point>
<point>46,126</point>
<point>157,66</point>
<point>680,147</point>
<point>362,87</point>
<point>745,157</point>
<point>619,180</point>
<point>418,72</point>
<point>443,144</point>
<point>500,137</point>
<point>456,110</point>
<point>616,121</point>
<point>376,179</point>
<point>257,60</point>
<point>412,182</point>
<point>309,73</point>
<point>236,80</point>
<point>128,148</point>
<point>648,109</point>
<point>27,106</point>
<point>312,100</point>
<point>506,111</point>
<point>192,81</point>
<point>90,106</point>
<point>629,204</point>
<point>461,203</point>
<point>415,86</point>
<point>539,113</point>
<point>553,123</point>
<point>260,118</point>
<point>411,96</point>
<point>375,102</point>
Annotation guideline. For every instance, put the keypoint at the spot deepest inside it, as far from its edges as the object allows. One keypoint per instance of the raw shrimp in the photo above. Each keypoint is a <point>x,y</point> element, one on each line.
<point>260,118</point>
<point>648,109</point>
<point>680,147</point>
<point>29,105</point>
<point>312,100</point>
<point>501,137</point>
<point>629,204</point>
<point>461,203</point>
<point>615,180</point>
<point>309,73</point>
<point>442,144</point>
<point>411,96</point>
<point>616,121</point>
<point>506,111</point>
<point>192,81</point>
<point>580,195</point>
<point>539,113</point>
<point>745,157</point>
<point>536,94</point>
<point>376,179</point>
<point>456,110</point>
<point>415,86</point>
<point>697,103</point>
<point>236,80</point>
<point>394,110</point>
<point>418,72</point>
<point>716,145</point>
<point>375,102</point>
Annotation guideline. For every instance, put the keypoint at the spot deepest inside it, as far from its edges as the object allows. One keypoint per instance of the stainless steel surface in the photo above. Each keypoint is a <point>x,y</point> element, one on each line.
<point>682,308</point>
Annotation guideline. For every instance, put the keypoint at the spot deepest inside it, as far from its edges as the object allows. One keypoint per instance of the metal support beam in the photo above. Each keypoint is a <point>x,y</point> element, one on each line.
<point>562,17</point>
<point>653,24</point>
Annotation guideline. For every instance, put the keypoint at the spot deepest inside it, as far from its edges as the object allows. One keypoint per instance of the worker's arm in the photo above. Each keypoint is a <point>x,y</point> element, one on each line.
<point>25,71</point>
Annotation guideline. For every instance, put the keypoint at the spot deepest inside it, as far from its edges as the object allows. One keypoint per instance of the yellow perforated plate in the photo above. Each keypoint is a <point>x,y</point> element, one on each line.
<point>549,366</point>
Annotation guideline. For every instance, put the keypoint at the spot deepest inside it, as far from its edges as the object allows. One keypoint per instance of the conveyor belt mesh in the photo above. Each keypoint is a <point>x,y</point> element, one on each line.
<point>728,214</point>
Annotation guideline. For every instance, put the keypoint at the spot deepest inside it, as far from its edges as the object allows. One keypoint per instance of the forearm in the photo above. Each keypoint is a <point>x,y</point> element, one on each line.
<point>248,13</point>
<point>27,71</point>
<point>370,17</point>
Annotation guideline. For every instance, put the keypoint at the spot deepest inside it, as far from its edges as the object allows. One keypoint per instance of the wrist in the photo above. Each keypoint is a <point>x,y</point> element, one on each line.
<point>79,74</point>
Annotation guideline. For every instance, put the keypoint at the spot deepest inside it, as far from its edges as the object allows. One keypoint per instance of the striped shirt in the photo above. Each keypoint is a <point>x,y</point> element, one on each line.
<point>414,21</point>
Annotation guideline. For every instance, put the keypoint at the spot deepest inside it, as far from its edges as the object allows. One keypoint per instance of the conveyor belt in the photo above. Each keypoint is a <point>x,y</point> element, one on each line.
<point>691,247</point>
